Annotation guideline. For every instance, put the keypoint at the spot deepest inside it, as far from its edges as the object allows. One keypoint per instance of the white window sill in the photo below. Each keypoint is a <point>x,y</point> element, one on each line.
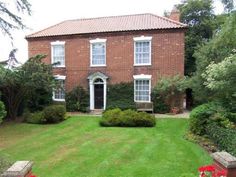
<point>142,101</point>
<point>61,100</point>
<point>98,65</point>
<point>61,66</point>
<point>145,64</point>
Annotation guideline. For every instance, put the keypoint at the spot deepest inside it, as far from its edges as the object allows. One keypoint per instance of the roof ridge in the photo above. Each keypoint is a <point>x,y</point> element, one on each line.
<point>170,20</point>
<point>96,25</point>
<point>112,16</point>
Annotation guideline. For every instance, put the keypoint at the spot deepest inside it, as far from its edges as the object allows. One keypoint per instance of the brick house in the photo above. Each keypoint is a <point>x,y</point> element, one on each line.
<point>96,52</point>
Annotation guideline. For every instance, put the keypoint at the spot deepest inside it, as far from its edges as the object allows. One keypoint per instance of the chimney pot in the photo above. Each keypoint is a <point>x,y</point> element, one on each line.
<point>175,14</point>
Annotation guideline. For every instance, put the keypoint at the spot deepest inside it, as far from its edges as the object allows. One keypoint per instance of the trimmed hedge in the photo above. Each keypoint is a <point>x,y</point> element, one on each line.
<point>127,118</point>
<point>121,96</point>
<point>54,113</point>
<point>34,118</point>
<point>224,138</point>
<point>50,114</point>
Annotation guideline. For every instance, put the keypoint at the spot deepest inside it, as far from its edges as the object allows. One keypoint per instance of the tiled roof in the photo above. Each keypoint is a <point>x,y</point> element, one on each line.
<point>109,24</point>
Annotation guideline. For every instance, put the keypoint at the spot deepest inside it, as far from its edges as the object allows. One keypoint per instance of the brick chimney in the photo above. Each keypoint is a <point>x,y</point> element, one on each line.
<point>175,14</point>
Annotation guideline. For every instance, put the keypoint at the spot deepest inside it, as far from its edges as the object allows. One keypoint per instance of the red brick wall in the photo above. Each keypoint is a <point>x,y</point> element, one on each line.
<point>167,55</point>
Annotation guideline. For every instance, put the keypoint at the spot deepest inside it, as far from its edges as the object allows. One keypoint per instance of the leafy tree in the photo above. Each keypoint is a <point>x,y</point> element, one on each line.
<point>216,50</point>
<point>2,111</point>
<point>199,16</point>
<point>220,78</point>
<point>22,83</point>
<point>228,5</point>
<point>10,18</point>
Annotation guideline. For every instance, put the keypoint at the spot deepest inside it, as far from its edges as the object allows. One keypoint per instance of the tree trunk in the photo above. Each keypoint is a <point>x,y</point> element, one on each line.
<point>13,99</point>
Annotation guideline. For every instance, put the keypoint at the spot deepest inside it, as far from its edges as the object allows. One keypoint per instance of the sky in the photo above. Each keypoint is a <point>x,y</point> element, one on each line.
<point>46,13</point>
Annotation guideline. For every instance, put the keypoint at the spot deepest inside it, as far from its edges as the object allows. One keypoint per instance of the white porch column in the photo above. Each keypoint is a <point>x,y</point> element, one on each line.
<point>105,93</point>
<point>91,95</point>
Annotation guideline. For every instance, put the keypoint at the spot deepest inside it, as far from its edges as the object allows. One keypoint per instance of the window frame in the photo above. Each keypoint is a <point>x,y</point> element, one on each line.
<point>143,39</point>
<point>57,43</point>
<point>142,77</point>
<point>59,77</point>
<point>97,41</point>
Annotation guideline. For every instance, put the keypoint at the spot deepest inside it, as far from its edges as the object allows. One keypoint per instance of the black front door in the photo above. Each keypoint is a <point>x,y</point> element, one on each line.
<point>98,96</point>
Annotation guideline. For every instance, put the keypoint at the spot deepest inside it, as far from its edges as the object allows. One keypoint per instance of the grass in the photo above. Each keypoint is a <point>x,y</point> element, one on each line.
<point>79,147</point>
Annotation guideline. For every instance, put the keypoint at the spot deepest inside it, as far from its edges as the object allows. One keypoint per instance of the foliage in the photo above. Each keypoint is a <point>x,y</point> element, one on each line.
<point>159,104</point>
<point>121,96</point>
<point>199,16</point>
<point>220,78</point>
<point>216,50</point>
<point>77,100</point>
<point>221,120</point>
<point>170,89</point>
<point>9,19</point>
<point>200,117</point>
<point>228,5</point>
<point>231,116</point>
<point>224,138</point>
<point>2,111</point>
<point>127,118</point>
<point>54,113</point>
<point>22,84</point>
<point>39,99</point>
<point>34,118</point>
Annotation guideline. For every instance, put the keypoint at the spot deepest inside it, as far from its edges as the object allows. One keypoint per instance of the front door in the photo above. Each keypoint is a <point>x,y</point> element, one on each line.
<point>98,96</point>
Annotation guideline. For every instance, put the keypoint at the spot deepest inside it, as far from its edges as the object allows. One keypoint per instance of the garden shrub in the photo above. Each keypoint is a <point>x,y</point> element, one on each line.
<point>34,118</point>
<point>77,100</point>
<point>224,138</point>
<point>170,89</point>
<point>221,120</point>
<point>127,118</point>
<point>2,111</point>
<point>159,104</point>
<point>54,113</point>
<point>111,117</point>
<point>121,96</point>
<point>200,117</point>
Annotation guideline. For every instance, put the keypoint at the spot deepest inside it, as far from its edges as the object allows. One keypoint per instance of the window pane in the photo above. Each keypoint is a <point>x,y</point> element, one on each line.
<point>142,90</point>
<point>142,52</point>
<point>98,54</point>
<point>59,54</point>
<point>59,93</point>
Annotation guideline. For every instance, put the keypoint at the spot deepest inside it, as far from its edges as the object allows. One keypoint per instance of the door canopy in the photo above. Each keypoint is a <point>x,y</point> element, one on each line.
<point>96,75</point>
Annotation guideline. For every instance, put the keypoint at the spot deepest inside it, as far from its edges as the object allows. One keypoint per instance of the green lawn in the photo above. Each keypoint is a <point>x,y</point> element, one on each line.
<point>79,147</point>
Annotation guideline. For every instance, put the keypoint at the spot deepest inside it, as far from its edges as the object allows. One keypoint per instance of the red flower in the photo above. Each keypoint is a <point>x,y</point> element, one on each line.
<point>202,169</point>
<point>33,175</point>
<point>210,168</point>
<point>221,173</point>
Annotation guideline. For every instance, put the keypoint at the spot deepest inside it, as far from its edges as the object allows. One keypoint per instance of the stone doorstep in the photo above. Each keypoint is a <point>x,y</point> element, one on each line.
<point>19,169</point>
<point>224,158</point>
